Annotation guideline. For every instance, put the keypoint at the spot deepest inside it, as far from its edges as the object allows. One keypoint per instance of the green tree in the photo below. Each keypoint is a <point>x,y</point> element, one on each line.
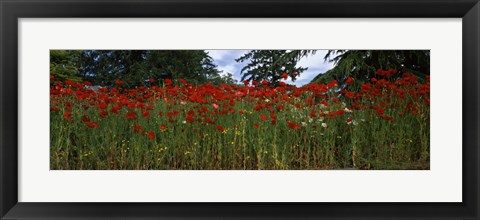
<point>134,67</point>
<point>223,79</point>
<point>362,64</point>
<point>270,65</point>
<point>66,65</point>
<point>195,66</point>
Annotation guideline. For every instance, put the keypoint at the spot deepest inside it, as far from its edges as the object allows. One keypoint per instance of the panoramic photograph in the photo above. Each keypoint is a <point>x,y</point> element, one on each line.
<point>239,109</point>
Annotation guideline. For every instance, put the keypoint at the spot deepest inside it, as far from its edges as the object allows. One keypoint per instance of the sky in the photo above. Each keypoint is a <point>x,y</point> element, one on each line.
<point>225,61</point>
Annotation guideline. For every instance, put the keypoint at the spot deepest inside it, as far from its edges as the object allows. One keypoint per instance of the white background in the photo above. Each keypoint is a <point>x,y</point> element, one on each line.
<point>443,182</point>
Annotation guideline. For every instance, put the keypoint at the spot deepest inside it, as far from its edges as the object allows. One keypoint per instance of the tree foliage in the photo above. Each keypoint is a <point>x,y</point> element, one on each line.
<point>135,67</point>
<point>363,64</point>
<point>270,65</point>
<point>65,64</point>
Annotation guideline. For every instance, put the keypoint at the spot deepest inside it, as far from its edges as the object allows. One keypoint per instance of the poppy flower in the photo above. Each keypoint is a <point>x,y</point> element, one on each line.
<point>137,127</point>
<point>151,135</point>
<point>85,118</point>
<point>67,115</point>
<point>92,124</point>
<point>273,116</point>
<point>263,117</point>
<point>182,81</point>
<point>163,127</point>
<point>220,128</point>
<point>119,82</point>
<point>256,126</point>
<point>292,125</point>
<point>146,114</point>
<point>349,80</point>
<point>350,95</point>
<point>131,115</point>
<point>285,76</point>
<point>103,114</point>
<point>349,120</point>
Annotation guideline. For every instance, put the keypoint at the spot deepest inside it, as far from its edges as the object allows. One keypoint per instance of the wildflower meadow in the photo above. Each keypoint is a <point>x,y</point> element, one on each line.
<point>174,124</point>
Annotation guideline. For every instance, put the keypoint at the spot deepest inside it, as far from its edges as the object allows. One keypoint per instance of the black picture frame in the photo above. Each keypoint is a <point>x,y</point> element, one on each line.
<point>11,11</point>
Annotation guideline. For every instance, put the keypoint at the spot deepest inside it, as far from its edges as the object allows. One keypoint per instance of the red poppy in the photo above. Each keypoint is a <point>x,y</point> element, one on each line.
<point>264,82</point>
<point>282,84</point>
<point>292,125</point>
<point>119,82</point>
<point>103,114</point>
<point>255,125</point>
<point>350,95</point>
<point>131,115</point>
<point>152,80</point>
<point>69,82</point>
<point>85,118</point>
<point>189,118</point>
<point>146,114</point>
<point>92,124</point>
<point>273,116</point>
<point>285,76</point>
<point>182,81</point>
<point>67,115</point>
<point>68,106</point>
<point>137,127</point>
<point>349,80</point>
<point>115,109</point>
<point>349,120</point>
<point>163,127</point>
<point>168,82</point>
<point>151,135</point>
<point>263,117</point>
<point>220,128</point>
<point>332,84</point>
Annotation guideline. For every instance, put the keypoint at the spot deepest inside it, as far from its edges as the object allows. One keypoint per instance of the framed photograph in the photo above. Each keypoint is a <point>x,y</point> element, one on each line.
<point>249,110</point>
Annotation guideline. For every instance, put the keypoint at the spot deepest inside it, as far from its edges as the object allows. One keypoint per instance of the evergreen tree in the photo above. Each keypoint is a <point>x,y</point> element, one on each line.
<point>65,65</point>
<point>363,64</point>
<point>269,65</point>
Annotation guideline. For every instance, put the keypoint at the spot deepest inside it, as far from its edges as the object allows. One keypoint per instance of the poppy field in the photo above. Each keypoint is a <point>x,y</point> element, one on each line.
<point>175,125</point>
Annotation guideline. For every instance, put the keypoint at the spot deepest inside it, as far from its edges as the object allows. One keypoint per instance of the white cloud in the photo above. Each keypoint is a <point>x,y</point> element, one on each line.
<point>227,69</point>
<point>315,64</point>
<point>313,60</point>
<point>218,54</point>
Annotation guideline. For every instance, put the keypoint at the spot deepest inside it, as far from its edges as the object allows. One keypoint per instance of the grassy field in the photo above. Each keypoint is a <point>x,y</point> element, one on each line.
<point>381,124</point>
